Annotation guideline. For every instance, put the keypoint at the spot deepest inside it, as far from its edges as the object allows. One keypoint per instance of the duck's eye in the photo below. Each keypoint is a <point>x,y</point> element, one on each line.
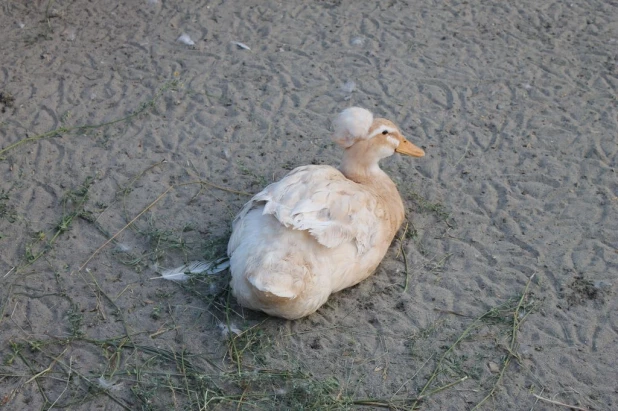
<point>385,132</point>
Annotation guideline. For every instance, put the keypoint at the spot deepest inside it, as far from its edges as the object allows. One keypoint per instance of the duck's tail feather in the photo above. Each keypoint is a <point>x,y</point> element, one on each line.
<point>194,268</point>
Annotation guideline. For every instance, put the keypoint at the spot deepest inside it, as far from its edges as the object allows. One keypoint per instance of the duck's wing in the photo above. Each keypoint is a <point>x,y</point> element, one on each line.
<point>320,200</point>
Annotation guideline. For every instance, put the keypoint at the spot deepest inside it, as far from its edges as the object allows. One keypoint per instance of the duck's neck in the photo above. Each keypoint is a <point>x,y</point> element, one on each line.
<point>366,174</point>
<point>365,170</point>
<point>360,164</point>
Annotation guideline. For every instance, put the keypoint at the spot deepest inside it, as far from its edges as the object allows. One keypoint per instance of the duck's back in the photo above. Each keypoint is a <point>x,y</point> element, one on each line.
<point>310,234</point>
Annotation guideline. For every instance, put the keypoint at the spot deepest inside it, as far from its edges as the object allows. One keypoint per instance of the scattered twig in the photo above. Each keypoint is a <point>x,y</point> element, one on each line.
<point>47,15</point>
<point>36,380</point>
<point>5,275</point>
<point>444,387</point>
<point>516,321</point>
<point>511,351</point>
<point>125,227</point>
<point>161,331</point>
<point>48,369</point>
<point>464,154</point>
<point>117,310</point>
<point>92,385</point>
<point>574,407</point>
<point>415,374</point>
<point>148,208</point>
<point>391,405</point>
<point>66,386</point>
<point>127,188</point>
<point>512,348</point>
<point>443,357</point>
<point>440,264</point>
<point>208,183</point>
<point>450,312</point>
<point>405,258</point>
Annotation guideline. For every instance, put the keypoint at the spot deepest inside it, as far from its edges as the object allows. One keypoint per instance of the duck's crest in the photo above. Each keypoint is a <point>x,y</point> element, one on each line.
<point>350,125</point>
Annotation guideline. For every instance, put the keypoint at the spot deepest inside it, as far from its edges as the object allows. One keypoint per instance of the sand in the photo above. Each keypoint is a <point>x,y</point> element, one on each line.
<point>512,215</point>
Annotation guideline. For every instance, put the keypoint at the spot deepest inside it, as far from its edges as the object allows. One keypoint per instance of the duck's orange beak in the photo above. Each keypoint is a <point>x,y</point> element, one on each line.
<point>409,149</point>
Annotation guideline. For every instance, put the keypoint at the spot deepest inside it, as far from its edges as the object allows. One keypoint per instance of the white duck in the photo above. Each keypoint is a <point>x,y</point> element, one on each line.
<point>320,230</point>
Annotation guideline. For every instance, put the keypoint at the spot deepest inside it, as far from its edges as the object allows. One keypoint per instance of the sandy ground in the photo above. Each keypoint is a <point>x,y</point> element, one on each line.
<point>514,102</point>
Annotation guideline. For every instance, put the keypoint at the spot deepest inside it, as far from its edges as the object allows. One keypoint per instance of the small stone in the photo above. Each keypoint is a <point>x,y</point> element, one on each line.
<point>493,367</point>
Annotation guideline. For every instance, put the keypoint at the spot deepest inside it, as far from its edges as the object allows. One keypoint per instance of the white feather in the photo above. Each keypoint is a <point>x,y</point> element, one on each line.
<point>226,330</point>
<point>122,248</point>
<point>185,39</point>
<point>352,124</point>
<point>357,41</point>
<point>195,268</point>
<point>108,385</point>
<point>241,45</point>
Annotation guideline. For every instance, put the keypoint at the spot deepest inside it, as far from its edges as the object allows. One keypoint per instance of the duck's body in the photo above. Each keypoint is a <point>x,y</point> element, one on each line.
<point>319,230</point>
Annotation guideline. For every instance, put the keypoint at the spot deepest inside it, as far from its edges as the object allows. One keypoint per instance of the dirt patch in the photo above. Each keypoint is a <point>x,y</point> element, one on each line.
<point>6,100</point>
<point>583,290</point>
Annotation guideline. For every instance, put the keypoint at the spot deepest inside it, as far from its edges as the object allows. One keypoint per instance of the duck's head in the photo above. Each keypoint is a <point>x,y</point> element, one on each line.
<point>355,129</point>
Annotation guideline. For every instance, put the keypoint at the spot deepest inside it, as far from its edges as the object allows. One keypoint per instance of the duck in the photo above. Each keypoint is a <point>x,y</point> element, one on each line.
<point>320,229</point>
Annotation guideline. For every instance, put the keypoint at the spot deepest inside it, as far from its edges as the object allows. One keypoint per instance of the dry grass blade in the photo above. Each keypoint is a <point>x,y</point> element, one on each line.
<point>405,257</point>
<point>512,347</point>
<point>10,271</point>
<point>573,407</point>
<point>391,405</point>
<point>34,254</point>
<point>93,385</point>
<point>218,187</point>
<point>48,369</point>
<point>66,386</point>
<point>148,207</point>
<point>444,387</point>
